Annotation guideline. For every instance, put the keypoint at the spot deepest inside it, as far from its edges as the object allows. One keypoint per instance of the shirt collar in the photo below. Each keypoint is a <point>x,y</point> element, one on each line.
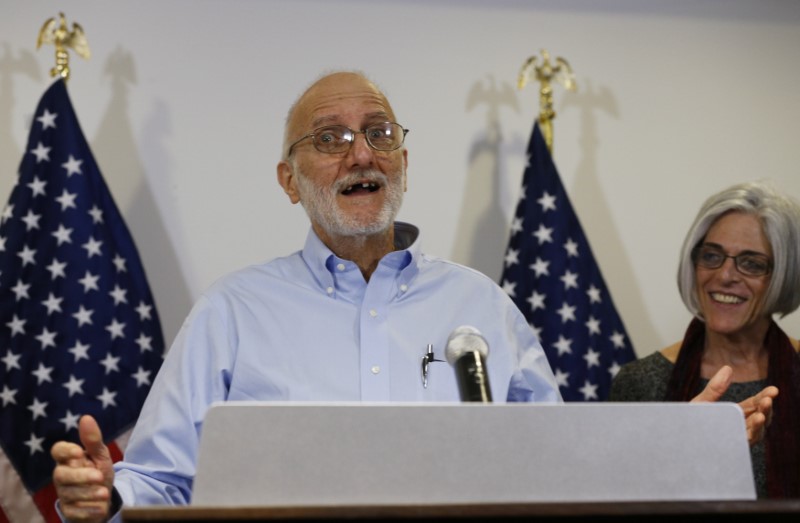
<point>405,258</point>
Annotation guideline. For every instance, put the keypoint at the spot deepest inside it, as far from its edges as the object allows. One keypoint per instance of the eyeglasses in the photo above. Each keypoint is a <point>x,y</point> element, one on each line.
<point>334,139</point>
<point>748,263</point>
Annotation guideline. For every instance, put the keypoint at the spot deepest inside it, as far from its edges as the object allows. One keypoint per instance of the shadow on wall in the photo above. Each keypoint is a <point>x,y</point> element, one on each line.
<point>592,208</point>
<point>482,232</point>
<point>134,190</point>
<point>24,64</point>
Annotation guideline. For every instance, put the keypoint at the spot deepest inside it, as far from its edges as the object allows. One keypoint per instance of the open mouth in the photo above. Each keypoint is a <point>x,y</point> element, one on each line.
<point>364,187</point>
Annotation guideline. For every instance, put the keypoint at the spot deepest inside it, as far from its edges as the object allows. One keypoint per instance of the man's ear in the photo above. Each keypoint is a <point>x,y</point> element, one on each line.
<point>287,181</point>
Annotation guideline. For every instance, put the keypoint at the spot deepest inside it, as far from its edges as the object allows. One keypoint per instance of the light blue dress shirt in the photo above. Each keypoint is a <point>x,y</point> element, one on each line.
<point>307,327</point>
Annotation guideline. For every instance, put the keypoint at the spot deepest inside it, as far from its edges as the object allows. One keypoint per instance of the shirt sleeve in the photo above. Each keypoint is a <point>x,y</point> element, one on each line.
<point>533,380</point>
<point>160,458</point>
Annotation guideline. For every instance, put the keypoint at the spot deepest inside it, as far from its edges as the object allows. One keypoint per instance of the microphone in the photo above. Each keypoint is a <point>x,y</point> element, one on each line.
<point>467,351</point>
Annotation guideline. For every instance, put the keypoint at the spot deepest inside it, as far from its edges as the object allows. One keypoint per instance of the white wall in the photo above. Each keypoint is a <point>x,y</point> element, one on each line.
<point>183,102</point>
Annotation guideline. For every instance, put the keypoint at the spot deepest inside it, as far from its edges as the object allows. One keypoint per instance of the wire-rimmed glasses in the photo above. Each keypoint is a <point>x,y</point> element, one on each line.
<point>334,139</point>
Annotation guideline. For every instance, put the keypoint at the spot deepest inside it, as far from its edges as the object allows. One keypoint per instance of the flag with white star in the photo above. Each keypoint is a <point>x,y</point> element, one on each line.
<point>551,274</point>
<point>79,331</point>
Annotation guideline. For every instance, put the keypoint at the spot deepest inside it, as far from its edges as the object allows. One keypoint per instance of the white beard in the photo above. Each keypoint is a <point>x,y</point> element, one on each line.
<point>321,207</point>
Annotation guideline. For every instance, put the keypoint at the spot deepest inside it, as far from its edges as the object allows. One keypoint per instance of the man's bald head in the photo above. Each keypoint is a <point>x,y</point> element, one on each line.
<point>325,91</point>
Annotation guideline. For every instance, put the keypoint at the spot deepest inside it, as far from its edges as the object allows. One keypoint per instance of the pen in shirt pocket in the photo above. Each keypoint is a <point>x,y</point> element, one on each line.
<point>427,359</point>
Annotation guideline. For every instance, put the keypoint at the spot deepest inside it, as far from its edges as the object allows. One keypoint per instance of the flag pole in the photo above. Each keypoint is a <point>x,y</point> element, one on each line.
<point>56,33</point>
<point>545,73</point>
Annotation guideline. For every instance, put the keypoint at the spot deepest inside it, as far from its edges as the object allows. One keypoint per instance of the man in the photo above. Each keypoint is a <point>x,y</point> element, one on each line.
<point>348,318</point>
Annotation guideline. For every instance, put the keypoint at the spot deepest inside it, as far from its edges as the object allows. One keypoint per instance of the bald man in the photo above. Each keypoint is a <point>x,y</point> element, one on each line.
<point>346,318</point>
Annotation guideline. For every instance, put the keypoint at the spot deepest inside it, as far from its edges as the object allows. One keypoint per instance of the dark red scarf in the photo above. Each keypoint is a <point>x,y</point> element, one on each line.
<point>782,441</point>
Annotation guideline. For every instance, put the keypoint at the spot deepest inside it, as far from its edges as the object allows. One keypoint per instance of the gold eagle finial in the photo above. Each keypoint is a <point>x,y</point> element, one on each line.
<point>56,33</point>
<point>546,72</point>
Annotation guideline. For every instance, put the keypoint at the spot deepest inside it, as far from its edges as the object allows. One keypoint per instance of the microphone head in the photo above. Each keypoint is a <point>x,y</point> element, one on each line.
<point>465,339</point>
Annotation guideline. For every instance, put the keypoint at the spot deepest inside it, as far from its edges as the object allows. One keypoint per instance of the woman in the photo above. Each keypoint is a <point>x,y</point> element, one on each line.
<point>739,266</point>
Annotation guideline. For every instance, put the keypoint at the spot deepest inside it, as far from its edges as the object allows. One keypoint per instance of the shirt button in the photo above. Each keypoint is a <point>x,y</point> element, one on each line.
<point>329,290</point>
<point>404,287</point>
<point>375,369</point>
<point>340,266</point>
<point>373,312</point>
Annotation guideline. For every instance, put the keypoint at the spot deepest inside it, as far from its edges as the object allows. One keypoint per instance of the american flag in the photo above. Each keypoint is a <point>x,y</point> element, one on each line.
<point>79,331</point>
<point>552,276</point>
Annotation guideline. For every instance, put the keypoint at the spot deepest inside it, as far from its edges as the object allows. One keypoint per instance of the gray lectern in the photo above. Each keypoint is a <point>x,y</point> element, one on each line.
<point>285,454</point>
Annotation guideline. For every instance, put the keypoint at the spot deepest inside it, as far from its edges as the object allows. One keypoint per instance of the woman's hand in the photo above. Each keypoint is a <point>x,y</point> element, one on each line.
<point>757,409</point>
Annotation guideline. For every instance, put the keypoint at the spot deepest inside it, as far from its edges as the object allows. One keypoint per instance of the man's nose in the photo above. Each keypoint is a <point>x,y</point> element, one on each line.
<point>360,153</point>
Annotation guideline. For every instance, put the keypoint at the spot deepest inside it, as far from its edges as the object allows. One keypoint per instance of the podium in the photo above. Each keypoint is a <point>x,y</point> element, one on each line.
<point>370,462</point>
<point>302,454</point>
